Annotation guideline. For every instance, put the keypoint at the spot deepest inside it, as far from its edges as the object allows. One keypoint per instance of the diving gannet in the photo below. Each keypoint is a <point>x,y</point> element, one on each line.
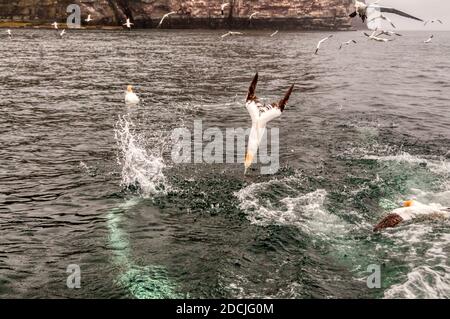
<point>433,21</point>
<point>128,24</point>
<point>388,33</point>
<point>429,39</point>
<point>223,6</point>
<point>346,43</point>
<point>130,96</point>
<point>164,17</point>
<point>322,41</point>
<point>363,10</point>
<point>411,210</point>
<point>260,114</point>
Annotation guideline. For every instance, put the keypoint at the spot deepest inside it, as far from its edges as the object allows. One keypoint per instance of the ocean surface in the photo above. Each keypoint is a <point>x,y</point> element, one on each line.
<point>86,180</point>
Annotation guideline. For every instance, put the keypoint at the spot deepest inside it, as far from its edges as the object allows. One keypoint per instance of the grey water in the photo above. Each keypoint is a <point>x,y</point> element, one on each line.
<point>86,180</point>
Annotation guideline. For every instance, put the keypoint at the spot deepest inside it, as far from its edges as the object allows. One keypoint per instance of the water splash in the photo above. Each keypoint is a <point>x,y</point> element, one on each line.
<point>141,168</point>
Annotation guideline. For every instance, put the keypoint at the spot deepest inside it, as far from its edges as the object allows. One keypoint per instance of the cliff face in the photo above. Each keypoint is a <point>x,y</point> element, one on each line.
<point>283,14</point>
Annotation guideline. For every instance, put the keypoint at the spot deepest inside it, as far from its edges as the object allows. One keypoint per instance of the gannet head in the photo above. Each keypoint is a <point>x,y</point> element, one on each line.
<point>248,161</point>
<point>130,88</point>
<point>408,203</point>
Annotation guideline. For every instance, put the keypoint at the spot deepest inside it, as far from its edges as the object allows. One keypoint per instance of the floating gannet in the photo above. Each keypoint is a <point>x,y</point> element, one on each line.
<point>164,17</point>
<point>429,39</point>
<point>388,33</point>
<point>411,210</point>
<point>433,21</point>
<point>273,34</point>
<point>375,38</point>
<point>55,25</point>
<point>223,6</point>
<point>252,15</point>
<point>261,115</point>
<point>363,10</point>
<point>128,23</point>
<point>130,96</point>
<point>384,18</point>
<point>9,33</point>
<point>62,33</point>
<point>231,33</point>
<point>346,43</point>
<point>88,19</point>
<point>322,41</point>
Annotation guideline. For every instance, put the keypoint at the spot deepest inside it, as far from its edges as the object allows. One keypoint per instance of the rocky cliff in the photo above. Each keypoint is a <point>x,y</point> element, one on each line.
<point>283,14</point>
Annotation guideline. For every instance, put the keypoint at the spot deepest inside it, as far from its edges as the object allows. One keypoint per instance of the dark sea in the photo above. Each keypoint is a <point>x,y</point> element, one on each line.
<point>86,180</point>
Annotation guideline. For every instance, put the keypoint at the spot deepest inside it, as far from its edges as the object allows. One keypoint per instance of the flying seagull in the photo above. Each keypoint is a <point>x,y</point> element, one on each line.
<point>164,17</point>
<point>429,39</point>
<point>128,24</point>
<point>231,33</point>
<point>62,33</point>
<point>385,19</point>
<point>363,10</point>
<point>375,38</point>
<point>260,114</point>
<point>88,19</point>
<point>388,33</point>
<point>433,21</point>
<point>55,25</point>
<point>252,15</point>
<point>273,34</point>
<point>223,6</point>
<point>320,43</point>
<point>346,43</point>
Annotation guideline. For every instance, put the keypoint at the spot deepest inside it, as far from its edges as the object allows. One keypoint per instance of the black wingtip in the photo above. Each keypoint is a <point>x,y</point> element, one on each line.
<point>252,89</point>
<point>283,102</point>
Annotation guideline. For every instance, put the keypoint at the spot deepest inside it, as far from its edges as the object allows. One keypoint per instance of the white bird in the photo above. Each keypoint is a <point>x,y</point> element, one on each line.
<point>130,96</point>
<point>275,33</point>
<point>429,39</point>
<point>88,19</point>
<point>164,17</point>
<point>384,18</point>
<point>261,115</point>
<point>433,21</point>
<point>128,24</point>
<point>62,33</point>
<point>388,33</point>
<point>223,6</point>
<point>320,43</point>
<point>252,15</point>
<point>346,43</point>
<point>231,33</point>
<point>375,38</point>
<point>9,33</point>
<point>55,25</point>
<point>411,210</point>
<point>363,10</point>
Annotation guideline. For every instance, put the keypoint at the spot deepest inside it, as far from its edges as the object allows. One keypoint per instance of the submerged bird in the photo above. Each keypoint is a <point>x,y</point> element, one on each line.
<point>364,10</point>
<point>320,43</point>
<point>223,6</point>
<point>429,39</point>
<point>433,21</point>
<point>9,33</point>
<point>411,210</point>
<point>273,34</point>
<point>261,115</point>
<point>385,19</point>
<point>375,38</point>
<point>346,43</point>
<point>164,17</point>
<point>55,25</point>
<point>388,33</point>
<point>252,15</point>
<point>130,96</point>
<point>62,33</point>
<point>231,33</point>
<point>88,19</point>
<point>128,24</point>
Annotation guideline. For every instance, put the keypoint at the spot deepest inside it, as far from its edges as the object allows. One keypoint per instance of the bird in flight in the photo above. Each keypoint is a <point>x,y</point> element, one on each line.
<point>223,6</point>
<point>62,33</point>
<point>128,24</point>
<point>346,43</point>
<point>252,15</point>
<point>260,114</point>
<point>433,21</point>
<point>366,10</point>
<point>429,39</point>
<point>231,33</point>
<point>88,19</point>
<point>273,34</point>
<point>375,38</point>
<point>55,25</point>
<point>320,43</point>
<point>388,33</point>
<point>164,17</point>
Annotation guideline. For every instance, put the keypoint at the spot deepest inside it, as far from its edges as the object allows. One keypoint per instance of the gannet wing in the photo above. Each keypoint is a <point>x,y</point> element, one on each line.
<point>252,103</point>
<point>398,12</point>
<point>275,109</point>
